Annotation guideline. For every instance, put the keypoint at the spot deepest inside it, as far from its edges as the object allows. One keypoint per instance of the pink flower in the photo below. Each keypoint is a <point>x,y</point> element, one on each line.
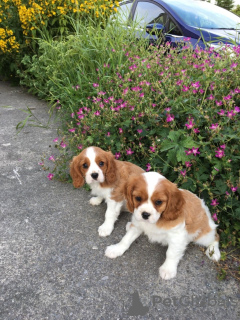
<point>223,146</point>
<point>183,173</point>
<point>214,202</point>
<point>237,109</point>
<point>170,117</point>
<point>136,88</point>
<point>95,85</point>
<point>234,189</point>
<point>228,97</point>
<point>168,109</point>
<point>117,155</point>
<point>230,114</point>
<point>72,130</point>
<point>63,145</point>
<point>185,88</point>
<point>214,126</point>
<point>190,124</point>
<point>233,65</point>
<point>129,151</point>
<point>221,112</point>
<point>214,216</point>
<point>211,97</point>
<point>179,82</point>
<point>195,84</point>
<point>50,176</point>
<point>120,130</point>
<point>196,130</point>
<point>195,151</point>
<point>219,153</point>
<point>133,67</point>
<point>108,134</point>
<point>188,152</point>
<point>55,140</point>
<point>80,147</point>
<point>139,130</point>
<point>141,95</point>
<point>188,164</point>
<point>97,113</point>
<point>51,158</point>
<point>148,165</point>
<point>152,149</point>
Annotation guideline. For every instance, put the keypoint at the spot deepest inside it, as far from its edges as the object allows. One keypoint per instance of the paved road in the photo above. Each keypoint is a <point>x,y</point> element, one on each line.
<point>52,263</point>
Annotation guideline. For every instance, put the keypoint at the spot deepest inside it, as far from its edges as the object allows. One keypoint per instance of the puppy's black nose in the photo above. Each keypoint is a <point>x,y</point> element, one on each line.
<point>94,175</point>
<point>145,215</point>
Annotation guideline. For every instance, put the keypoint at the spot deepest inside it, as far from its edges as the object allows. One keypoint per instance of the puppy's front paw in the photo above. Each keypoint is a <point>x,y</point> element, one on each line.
<point>95,201</point>
<point>167,272</point>
<point>105,230</point>
<point>114,251</point>
<point>213,252</point>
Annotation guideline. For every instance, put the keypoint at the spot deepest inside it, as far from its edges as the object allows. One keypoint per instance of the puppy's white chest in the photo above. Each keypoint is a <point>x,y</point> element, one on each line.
<point>97,190</point>
<point>160,235</point>
<point>154,233</point>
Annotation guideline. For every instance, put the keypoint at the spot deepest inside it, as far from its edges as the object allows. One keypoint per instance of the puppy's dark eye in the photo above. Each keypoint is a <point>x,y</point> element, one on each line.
<point>138,199</point>
<point>85,166</point>
<point>158,202</point>
<point>101,164</point>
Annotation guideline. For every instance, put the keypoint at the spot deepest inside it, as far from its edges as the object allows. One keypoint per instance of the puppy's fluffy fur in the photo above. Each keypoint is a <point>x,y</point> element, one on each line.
<point>167,215</point>
<point>105,175</point>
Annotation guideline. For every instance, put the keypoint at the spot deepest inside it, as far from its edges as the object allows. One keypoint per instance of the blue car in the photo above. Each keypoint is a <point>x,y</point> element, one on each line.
<point>177,20</point>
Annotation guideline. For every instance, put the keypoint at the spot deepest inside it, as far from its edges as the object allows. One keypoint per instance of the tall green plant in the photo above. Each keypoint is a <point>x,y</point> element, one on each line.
<point>226,4</point>
<point>90,55</point>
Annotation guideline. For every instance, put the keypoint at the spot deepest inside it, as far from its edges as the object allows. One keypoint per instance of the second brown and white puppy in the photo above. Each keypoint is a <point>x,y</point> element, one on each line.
<point>105,175</point>
<point>168,215</point>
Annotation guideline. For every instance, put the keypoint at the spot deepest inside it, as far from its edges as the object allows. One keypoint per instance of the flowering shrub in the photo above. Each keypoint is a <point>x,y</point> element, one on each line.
<point>177,114</point>
<point>21,21</point>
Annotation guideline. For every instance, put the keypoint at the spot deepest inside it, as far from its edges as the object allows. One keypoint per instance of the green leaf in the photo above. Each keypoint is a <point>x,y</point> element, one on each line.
<point>171,156</point>
<point>166,145</point>
<point>189,185</point>
<point>181,155</point>
<point>90,139</point>
<point>188,142</point>
<point>174,135</point>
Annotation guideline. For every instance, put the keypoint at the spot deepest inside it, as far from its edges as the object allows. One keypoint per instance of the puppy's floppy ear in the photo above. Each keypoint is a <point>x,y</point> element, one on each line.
<point>128,190</point>
<point>78,180</point>
<point>110,174</point>
<point>175,201</point>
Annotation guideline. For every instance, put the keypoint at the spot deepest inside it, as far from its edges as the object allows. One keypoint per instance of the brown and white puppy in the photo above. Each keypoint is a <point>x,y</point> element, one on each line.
<point>168,215</point>
<point>105,175</point>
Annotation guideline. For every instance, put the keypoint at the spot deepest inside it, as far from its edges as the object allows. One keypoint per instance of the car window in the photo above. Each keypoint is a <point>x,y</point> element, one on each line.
<point>201,14</point>
<point>174,29</point>
<point>147,13</point>
<point>124,11</point>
